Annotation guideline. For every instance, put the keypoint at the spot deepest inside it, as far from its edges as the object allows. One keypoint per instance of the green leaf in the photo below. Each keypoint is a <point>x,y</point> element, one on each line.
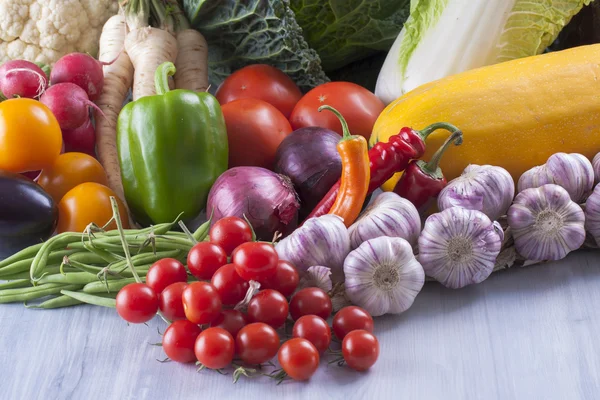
<point>343,31</point>
<point>243,32</point>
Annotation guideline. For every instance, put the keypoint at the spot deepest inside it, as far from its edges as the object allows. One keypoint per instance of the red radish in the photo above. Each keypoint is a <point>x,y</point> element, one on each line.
<point>81,139</point>
<point>32,175</point>
<point>23,79</point>
<point>81,69</point>
<point>69,103</point>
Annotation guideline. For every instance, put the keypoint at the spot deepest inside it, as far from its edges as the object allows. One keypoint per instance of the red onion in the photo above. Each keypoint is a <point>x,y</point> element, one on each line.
<point>310,158</point>
<point>267,199</point>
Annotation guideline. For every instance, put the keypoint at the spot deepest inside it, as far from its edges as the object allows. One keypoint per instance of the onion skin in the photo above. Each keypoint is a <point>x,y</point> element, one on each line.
<point>266,199</point>
<point>309,157</point>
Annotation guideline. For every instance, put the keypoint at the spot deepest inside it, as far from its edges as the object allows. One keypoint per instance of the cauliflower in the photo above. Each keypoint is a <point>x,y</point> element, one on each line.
<point>45,30</point>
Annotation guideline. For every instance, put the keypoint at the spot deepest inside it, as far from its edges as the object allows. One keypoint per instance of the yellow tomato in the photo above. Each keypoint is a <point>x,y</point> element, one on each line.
<point>70,170</point>
<point>86,203</point>
<point>30,137</point>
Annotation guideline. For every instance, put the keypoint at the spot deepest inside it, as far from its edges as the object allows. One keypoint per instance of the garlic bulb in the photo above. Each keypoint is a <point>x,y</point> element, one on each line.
<point>317,276</point>
<point>458,247</point>
<point>319,241</point>
<point>546,224</point>
<point>573,171</point>
<point>484,188</point>
<point>596,167</point>
<point>592,214</point>
<point>383,276</point>
<point>388,215</point>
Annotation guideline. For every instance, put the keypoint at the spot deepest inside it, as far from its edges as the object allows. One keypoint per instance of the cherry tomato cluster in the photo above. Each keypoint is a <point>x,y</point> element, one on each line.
<point>206,329</point>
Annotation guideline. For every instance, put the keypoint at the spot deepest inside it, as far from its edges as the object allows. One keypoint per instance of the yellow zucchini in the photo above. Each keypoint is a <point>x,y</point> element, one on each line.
<point>514,114</point>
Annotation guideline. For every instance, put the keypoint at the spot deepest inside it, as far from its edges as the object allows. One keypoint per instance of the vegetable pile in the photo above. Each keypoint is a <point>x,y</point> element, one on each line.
<point>105,163</point>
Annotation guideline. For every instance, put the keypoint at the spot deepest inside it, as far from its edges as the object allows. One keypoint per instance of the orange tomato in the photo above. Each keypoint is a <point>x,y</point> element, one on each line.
<point>86,203</point>
<point>70,170</point>
<point>30,137</point>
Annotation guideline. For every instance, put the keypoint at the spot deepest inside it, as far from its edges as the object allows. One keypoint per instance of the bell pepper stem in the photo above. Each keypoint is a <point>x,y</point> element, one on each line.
<point>161,77</point>
<point>424,133</point>
<point>434,163</point>
<point>346,131</point>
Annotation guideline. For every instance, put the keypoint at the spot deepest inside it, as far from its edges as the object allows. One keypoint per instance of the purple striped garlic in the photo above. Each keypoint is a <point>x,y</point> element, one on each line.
<point>458,247</point>
<point>596,167</point>
<point>484,188</point>
<point>592,214</point>
<point>572,171</point>
<point>545,223</point>
<point>388,215</point>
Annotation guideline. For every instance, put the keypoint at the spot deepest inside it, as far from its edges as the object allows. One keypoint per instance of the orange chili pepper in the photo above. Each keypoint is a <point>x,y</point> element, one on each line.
<point>356,173</point>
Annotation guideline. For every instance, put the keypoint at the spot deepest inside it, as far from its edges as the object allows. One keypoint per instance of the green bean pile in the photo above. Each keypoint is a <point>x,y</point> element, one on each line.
<point>74,268</point>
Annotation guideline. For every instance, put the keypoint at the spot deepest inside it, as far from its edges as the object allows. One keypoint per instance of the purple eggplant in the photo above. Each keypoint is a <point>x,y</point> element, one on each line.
<point>28,215</point>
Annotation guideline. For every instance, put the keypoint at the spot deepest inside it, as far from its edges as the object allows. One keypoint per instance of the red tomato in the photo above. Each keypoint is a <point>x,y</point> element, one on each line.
<point>299,359</point>
<point>254,129</point>
<point>205,258</point>
<point>255,260</point>
<point>201,302</point>
<point>229,233</point>
<point>170,302</point>
<point>359,107</point>
<point>284,280</point>
<point>360,349</point>
<point>268,306</point>
<point>264,82</point>
<point>230,286</point>
<point>179,339</point>
<point>315,330</point>
<point>257,343</point>
<point>309,301</point>
<point>230,320</point>
<point>349,319</point>
<point>137,303</point>
<point>214,348</point>
<point>165,272</point>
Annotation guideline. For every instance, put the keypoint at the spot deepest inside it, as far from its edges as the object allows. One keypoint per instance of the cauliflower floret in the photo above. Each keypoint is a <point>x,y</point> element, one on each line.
<point>45,30</point>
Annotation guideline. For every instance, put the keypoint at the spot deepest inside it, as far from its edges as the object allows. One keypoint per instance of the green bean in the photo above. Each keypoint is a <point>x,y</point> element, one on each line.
<point>159,229</point>
<point>34,292</point>
<point>16,267</point>
<point>87,258</point>
<point>91,299</point>
<point>110,286</point>
<point>41,258</point>
<point>54,269</point>
<point>202,232</point>
<point>146,258</point>
<point>104,254</point>
<point>75,278</point>
<point>65,301</point>
<point>91,269</point>
<point>27,252</point>
<point>15,284</point>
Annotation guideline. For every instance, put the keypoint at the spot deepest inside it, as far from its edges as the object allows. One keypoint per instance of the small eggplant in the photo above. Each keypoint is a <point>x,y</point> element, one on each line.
<point>28,215</point>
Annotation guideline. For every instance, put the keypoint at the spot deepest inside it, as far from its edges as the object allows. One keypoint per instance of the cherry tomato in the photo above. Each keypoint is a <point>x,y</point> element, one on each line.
<point>230,320</point>
<point>230,286</point>
<point>284,280</point>
<point>264,82</point>
<point>68,171</point>
<point>170,302</point>
<point>229,233</point>
<point>86,203</point>
<point>201,302</point>
<point>254,129</point>
<point>351,318</point>
<point>360,349</point>
<point>165,272</point>
<point>30,137</point>
<point>268,306</point>
<point>179,339</point>
<point>255,261</point>
<point>309,301</point>
<point>359,107</point>
<point>137,303</point>
<point>257,343</point>
<point>215,348</point>
<point>299,359</point>
<point>315,330</point>
<point>205,258</point>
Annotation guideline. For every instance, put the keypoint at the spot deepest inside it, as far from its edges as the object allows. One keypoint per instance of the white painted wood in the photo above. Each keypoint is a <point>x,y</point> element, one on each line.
<point>531,333</point>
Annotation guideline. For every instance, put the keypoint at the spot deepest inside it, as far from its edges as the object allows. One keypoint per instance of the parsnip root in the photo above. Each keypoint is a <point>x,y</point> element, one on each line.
<point>192,61</point>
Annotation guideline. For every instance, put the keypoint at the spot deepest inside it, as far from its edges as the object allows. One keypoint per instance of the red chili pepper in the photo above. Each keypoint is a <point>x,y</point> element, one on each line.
<point>422,181</point>
<point>386,159</point>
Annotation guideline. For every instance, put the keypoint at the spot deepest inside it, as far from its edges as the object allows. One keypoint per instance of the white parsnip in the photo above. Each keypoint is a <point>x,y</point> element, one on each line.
<point>118,78</point>
<point>148,48</point>
<point>192,61</point>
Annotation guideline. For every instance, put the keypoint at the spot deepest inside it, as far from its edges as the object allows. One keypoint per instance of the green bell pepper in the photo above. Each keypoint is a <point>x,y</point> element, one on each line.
<point>172,147</point>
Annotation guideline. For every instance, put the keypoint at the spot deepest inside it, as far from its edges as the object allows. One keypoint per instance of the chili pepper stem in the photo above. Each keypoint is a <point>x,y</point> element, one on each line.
<point>346,131</point>
<point>431,167</point>
<point>161,77</point>
<point>424,133</point>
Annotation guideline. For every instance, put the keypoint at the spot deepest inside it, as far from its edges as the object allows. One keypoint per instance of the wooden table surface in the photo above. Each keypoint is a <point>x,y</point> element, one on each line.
<point>527,333</point>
